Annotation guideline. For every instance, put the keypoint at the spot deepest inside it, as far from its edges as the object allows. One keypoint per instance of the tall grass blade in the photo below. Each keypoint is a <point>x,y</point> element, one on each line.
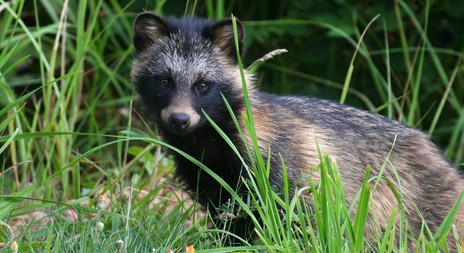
<point>346,84</point>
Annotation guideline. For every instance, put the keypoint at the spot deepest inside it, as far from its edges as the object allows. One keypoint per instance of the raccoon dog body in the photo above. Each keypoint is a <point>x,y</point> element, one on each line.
<point>182,67</point>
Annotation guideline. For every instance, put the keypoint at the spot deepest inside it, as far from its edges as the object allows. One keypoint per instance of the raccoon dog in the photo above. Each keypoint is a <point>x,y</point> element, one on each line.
<point>183,67</point>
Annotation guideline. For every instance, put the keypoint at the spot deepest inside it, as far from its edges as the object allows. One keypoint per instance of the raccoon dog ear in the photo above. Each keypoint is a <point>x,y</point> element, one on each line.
<point>222,36</point>
<point>148,27</point>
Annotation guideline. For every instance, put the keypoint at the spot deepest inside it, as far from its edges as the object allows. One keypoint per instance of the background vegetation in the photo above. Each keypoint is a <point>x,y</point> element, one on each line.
<point>71,144</point>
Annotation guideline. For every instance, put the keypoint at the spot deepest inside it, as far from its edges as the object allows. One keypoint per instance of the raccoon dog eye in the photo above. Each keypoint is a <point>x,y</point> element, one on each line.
<point>164,82</point>
<point>201,87</point>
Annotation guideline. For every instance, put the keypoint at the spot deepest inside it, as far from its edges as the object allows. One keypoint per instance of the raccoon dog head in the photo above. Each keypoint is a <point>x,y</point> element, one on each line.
<point>182,66</point>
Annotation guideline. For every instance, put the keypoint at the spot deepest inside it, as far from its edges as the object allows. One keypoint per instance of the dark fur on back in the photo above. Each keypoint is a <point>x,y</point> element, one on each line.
<point>183,67</point>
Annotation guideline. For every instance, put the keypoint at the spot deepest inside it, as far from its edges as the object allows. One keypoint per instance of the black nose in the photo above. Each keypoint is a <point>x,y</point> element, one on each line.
<point>179,121</point>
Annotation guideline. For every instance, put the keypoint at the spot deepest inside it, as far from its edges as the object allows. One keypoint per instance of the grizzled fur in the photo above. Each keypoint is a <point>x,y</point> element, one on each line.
<point>183,66</point>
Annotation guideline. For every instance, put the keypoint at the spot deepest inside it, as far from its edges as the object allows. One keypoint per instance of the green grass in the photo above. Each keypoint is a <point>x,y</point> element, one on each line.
<point>71,145</point>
